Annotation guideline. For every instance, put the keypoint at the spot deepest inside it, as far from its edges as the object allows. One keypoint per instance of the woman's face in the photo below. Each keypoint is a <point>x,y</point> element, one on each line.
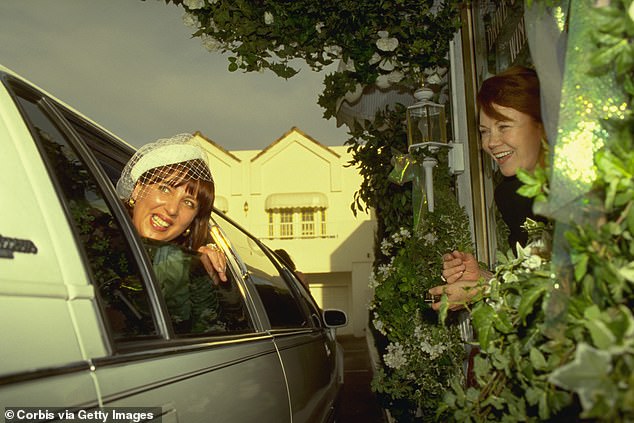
<point>514,142</point>
<point>163,212</point>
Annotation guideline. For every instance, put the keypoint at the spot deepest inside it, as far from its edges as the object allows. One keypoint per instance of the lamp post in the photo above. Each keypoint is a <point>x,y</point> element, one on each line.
<point>427,130</point>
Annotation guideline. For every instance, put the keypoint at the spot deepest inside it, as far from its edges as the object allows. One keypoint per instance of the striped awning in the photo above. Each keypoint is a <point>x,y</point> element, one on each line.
<point>296,200</point>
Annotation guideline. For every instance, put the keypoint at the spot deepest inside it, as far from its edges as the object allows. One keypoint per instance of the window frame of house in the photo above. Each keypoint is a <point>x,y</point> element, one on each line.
<point>297,223</point>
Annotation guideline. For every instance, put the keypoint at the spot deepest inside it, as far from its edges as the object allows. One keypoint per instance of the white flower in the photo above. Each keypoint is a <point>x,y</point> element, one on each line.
<point>319,26</point>
<point>210,43</point>
<point>385,247</point>
<point>418,332</point>
<point>385,43</point>
<point>376,58</point>
<point>395,77</point>
<point>405,233</point>
<point>430,238</point>
<point>387,65</point>
<point>385,269</point>
<point>433,79</point>
<point>190,21</point>
<point>333,50</point>
<point>433,350</point>
<point>194,4</point>
<point>435,8</point>
<point>349,66</point>
<point>382,82</point>
<point>395,356</point>
<point>532,262</point>
<point>268,18</point>
<point>379,325</point>
<point>372,281</point>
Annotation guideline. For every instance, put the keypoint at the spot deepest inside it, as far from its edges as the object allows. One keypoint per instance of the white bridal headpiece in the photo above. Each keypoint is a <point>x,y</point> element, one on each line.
<point>182,157</point>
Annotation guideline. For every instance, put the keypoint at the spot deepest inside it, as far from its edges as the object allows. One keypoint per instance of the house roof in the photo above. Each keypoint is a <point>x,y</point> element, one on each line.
<point>289,132</point>
<point>216,145</point>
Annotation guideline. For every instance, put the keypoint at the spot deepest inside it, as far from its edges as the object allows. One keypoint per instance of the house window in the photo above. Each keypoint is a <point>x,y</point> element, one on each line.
<point>308,222</point>
<point>323,222</point>
<point>286,223</point>
<point>271,225</point>
<point>296,215</point>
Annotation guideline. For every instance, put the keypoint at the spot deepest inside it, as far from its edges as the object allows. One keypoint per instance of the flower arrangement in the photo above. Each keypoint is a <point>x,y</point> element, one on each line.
<point>422,355</point>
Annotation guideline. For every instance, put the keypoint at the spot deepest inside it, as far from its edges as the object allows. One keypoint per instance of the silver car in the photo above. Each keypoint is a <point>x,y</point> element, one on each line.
<point>87,321</point>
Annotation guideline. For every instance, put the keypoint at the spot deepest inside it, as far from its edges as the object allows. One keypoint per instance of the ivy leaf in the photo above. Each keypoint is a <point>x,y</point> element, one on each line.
<point>602,336</point>
<point>585,375</point>
<point>528,299</point>
<point>537,359</point>
<point>483,317</point>
<point>627,271</point>
<point>580,262</point>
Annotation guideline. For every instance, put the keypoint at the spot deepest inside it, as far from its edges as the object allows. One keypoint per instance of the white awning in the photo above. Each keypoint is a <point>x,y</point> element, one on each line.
<point>221,203</point>
<point>296,200</point>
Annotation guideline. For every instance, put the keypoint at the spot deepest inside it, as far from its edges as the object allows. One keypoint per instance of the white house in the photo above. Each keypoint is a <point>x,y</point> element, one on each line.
<point>296,195</point>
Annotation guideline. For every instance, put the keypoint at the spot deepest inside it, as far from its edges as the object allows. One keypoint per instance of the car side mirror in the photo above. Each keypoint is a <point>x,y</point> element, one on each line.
<point>335,318</point>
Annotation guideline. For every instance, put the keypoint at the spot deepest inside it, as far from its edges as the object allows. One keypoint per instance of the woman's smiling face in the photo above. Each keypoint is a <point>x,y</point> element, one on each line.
<point>162,211</point>
<point>514,142</point>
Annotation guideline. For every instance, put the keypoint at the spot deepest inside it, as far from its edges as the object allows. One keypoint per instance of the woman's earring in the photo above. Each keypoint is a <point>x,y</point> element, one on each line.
<point>187,231</point>
<point>131,202</point>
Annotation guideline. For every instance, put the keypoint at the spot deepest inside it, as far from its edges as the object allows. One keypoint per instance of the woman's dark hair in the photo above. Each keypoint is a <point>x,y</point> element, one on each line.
<point>188,174</point>
<point>516,88</point>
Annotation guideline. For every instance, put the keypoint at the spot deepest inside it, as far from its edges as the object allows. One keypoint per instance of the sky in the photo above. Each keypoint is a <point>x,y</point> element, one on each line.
<point>133,67</point>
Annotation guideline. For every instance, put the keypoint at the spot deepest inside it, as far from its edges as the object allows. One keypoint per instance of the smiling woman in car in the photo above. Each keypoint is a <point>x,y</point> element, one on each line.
<point>169,191</point>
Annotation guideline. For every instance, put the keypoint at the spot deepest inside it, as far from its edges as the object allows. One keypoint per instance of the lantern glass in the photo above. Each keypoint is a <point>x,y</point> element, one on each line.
<point>426,121</point>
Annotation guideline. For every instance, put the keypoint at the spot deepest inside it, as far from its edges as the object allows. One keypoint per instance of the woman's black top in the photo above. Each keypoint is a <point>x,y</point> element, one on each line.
<point>514,209</point>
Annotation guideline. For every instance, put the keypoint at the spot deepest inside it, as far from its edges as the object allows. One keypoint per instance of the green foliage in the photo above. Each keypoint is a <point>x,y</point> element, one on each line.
<point>390,39</point>
<point>422,356</point>
<point>613,35</point>
<point>373,147</point>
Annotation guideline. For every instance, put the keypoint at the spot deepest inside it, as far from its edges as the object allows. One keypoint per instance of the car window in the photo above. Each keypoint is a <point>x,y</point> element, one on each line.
<point>196,305</point>
<point>281,305</point>
<point>306,300</point>
<point>111,265</point>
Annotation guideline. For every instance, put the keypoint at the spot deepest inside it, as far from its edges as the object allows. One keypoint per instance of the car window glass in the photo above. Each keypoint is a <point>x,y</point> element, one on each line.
<point>282,307</point>
<point>196,305</point>
<point>310,302</point>
<point>112,267</point>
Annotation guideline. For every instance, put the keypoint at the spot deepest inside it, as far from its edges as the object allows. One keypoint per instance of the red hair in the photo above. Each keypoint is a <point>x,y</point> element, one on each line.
<point>516,88</point>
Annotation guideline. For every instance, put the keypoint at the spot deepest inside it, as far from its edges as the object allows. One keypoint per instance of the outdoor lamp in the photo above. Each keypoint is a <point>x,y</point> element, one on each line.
<point>427,130</point>
<point>426,119</point>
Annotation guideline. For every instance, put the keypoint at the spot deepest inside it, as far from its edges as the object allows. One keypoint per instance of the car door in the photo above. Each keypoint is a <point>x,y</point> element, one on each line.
<point>306,351</point>
<point>217,363</point>
<point>42,279</point>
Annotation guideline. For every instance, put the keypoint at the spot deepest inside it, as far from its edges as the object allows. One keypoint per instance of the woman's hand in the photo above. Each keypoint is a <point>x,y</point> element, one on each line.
<point>215,262</point>
<point>458,294</point>
<point>459,266</point>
